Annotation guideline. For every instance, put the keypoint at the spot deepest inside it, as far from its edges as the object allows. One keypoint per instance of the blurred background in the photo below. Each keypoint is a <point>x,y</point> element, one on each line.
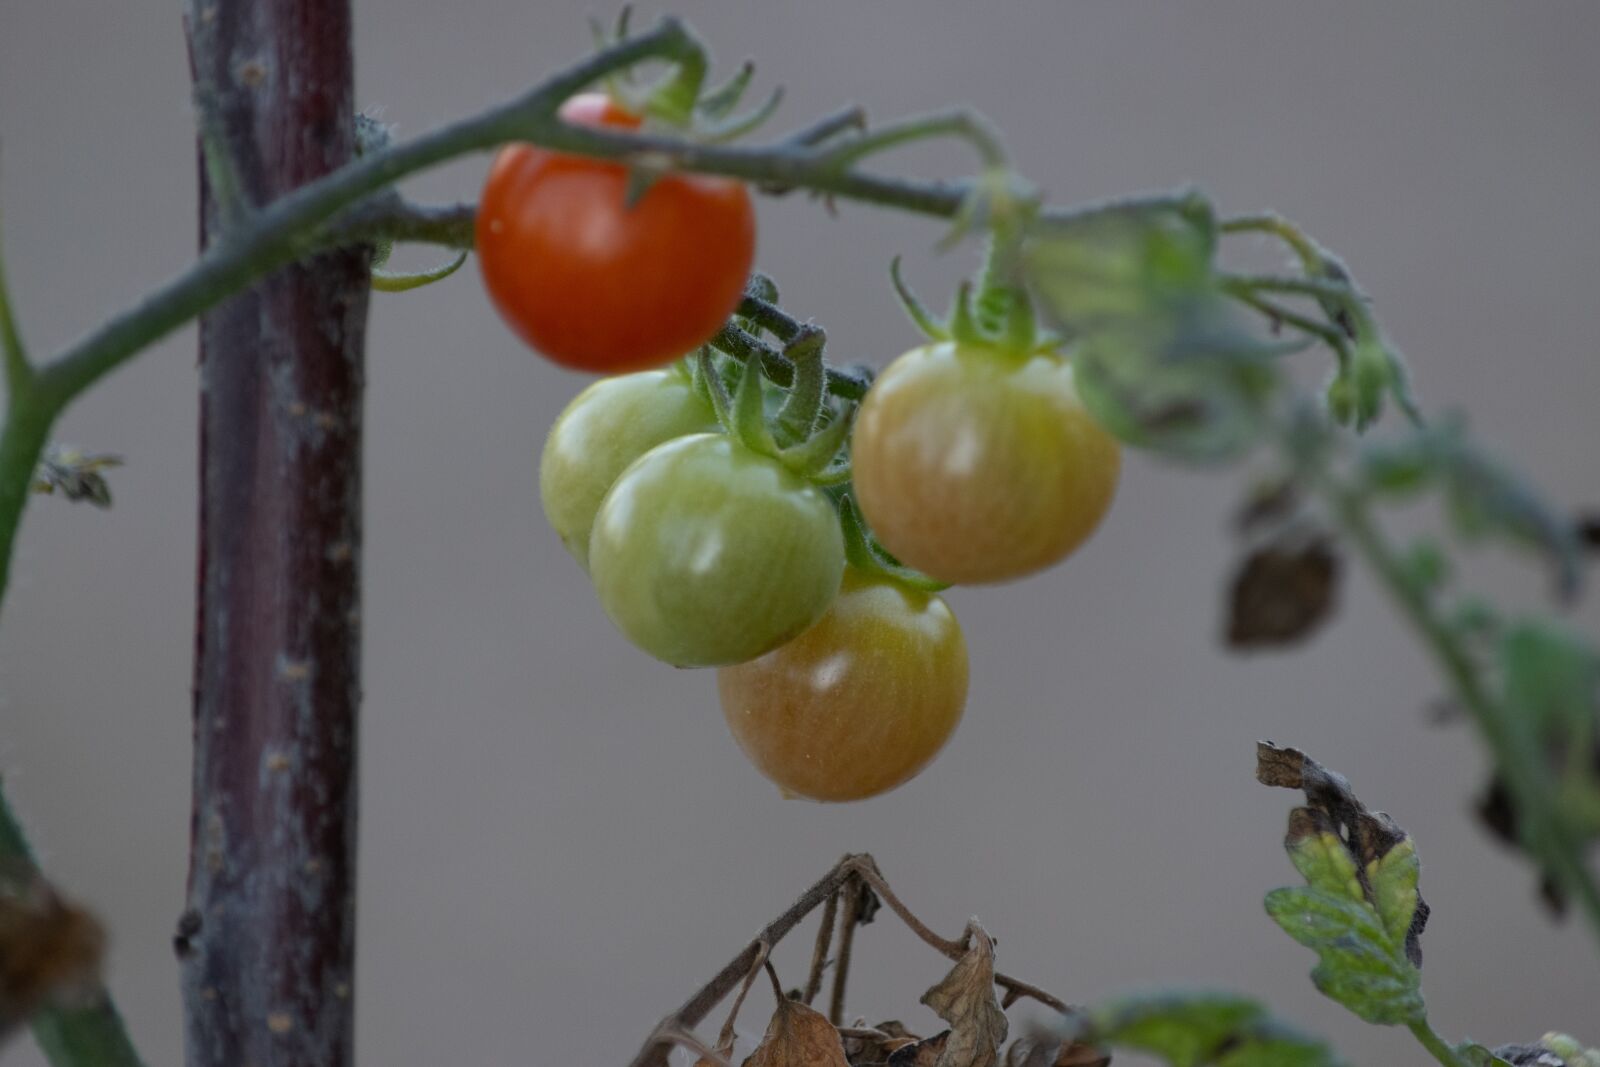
<point>559,840</point>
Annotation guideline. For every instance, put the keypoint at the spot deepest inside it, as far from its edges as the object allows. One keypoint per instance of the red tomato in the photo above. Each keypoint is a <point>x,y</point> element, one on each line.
<point>597,285</point>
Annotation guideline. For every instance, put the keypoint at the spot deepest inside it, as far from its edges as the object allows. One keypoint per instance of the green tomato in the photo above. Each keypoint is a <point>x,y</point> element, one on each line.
<point>706,553</point>
<point>606,427</point>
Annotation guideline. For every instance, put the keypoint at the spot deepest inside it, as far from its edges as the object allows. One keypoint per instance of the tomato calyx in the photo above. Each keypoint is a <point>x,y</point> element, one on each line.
<point>995,316</point>
<point>863,552</point>
<point>680,99</point>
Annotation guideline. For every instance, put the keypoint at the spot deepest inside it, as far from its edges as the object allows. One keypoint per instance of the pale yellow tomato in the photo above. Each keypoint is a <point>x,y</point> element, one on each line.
<point>973,466</point>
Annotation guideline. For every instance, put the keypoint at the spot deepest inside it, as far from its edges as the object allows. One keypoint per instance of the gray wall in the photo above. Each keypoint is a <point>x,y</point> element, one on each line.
<point>559,840</point>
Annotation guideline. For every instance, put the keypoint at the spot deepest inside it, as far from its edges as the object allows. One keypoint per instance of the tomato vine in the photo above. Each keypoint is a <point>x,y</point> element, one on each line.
<point>1145,340</point>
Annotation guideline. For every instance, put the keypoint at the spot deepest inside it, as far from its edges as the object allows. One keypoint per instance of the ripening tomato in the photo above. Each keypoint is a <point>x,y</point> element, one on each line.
<point>596,284</point>
<point>975,467</point>
<point>706,553</point>
<point>859,703</point>
<point>604,429</point>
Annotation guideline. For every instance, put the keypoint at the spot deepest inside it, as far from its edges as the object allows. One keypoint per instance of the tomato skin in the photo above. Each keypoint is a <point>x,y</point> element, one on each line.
<point>705,553</point>
<point>606,427</point>
<point>594,284</point>
<point>973,468</point>
<point>859,703</point>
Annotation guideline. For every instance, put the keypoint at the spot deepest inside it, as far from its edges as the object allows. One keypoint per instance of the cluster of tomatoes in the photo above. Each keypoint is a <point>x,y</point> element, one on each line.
<point>791,540</point>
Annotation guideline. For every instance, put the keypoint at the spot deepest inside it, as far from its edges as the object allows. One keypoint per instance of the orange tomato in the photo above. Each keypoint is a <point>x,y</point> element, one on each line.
<point>976,467</point>
<point>859,703</point>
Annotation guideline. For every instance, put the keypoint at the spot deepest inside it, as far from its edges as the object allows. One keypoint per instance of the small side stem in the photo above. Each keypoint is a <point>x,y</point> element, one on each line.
<point>1437,1046</point>
<point>841,957</point>
<point>963,125</point>
<point>91,1034</point>
<point>819,954</point>
<point>1312,255</point>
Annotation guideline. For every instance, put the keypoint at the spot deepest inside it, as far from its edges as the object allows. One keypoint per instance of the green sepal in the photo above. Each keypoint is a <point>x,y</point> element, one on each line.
<point>736,126</point>
<point>719,102</point>
<point>863,552</point>
<point>708,376</point>
<point>964,326</point>
<point>748,414</point>
<point>398,282</point>
<point>816,454</point>
<point>923,319</point>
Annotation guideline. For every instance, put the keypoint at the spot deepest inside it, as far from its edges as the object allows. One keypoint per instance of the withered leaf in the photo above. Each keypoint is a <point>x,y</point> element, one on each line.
<point>49,948</point>
<point>1043,1049</point>
<point>1381,856</point>
<point>924,1053</point>
<point>798,1036</point>
<point>1281,593</point>
<point>868,1046</point>
<point>966,1000</point>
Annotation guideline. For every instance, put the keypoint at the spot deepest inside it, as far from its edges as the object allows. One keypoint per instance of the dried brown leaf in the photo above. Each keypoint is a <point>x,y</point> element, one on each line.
<point>1281,593</point>
<point>49,948</point>
<point>924,1053</point>
<point>1043,1048</point>
<point>868,1046</point>
<point>798,1036</point>
<point>966,1000</point>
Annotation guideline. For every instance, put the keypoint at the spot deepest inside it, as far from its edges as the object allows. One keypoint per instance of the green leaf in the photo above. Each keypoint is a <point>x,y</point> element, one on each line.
<point>1324,861</point>
<point>1551,680</point>
<point>1197,1029</point>
<point>1117,266</point>
<point>1359,965</point>
<point>1393,878</point>
<point>1189,409</point>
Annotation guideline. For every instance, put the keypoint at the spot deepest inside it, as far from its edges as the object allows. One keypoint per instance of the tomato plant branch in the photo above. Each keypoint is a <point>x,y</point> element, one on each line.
<point>850,917</point>
<point>827,888</point>
<point>1546,833</point>
<point>89,1033</point>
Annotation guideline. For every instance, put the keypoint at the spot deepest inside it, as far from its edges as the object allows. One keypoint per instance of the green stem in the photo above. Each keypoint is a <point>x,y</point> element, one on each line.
<point>1437,1047</point>
<point>1328,335</point>
<point>963,125</point>
<point>18,371</point>
<point>90,1034</point>
<point>1521,763</point>
<point>1339,292</point>
<point>1312,255</point>
<point>22,441</point>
